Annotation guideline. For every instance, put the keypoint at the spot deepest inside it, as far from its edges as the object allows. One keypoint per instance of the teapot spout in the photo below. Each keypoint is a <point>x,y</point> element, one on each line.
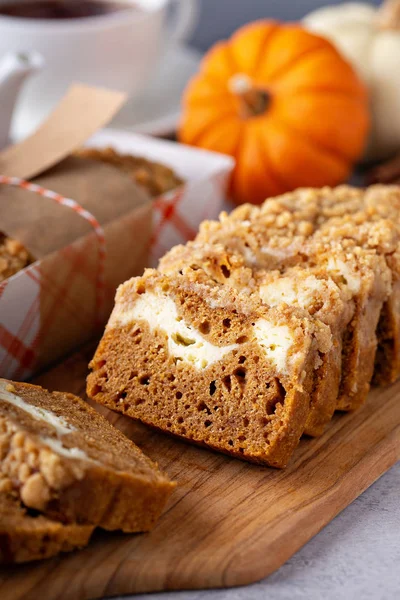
<point>14,69</point>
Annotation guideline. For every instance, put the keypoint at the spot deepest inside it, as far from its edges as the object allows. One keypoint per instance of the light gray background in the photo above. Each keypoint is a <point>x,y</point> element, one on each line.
<point>219,18</point>
<point>357,556</point>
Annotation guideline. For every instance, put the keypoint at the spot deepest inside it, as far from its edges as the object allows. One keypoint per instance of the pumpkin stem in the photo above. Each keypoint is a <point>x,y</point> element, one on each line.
<point>389,15</point>
<point>254,101</point>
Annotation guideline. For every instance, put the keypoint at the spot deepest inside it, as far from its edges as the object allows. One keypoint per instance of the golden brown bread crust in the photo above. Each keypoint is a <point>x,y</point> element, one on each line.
<point>240,404</point>
<point>28,536</point>
<point>87,472</point>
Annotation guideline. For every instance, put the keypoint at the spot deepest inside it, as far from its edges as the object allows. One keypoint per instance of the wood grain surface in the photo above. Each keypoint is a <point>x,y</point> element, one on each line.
<point>228,523</point>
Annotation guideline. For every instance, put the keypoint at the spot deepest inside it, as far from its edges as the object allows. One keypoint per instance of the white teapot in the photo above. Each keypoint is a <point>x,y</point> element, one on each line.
<point>14,69</point>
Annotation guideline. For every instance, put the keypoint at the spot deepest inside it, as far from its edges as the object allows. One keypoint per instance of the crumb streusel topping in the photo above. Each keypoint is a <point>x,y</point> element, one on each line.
<point>13,257</point>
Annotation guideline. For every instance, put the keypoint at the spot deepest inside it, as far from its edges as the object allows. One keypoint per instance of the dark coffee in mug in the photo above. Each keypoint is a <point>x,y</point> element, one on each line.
<point>63,9</point>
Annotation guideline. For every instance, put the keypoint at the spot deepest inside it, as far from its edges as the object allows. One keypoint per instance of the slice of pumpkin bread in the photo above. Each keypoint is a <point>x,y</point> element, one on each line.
<point>68,462</point>
<point>313,289</point>
<point>209,363</point>
<point>26,535</point>
<point>310,288</point>
<point>365,277</point>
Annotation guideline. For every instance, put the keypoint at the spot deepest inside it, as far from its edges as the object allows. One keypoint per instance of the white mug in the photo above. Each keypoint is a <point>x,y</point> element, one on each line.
<point>118,50</point>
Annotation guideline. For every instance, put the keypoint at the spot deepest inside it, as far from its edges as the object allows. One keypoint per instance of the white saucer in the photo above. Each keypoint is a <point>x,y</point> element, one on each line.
<point>157,110</point>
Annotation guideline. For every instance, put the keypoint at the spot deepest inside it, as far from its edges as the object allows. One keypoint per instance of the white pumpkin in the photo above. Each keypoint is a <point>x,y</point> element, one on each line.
<point>370,39</point>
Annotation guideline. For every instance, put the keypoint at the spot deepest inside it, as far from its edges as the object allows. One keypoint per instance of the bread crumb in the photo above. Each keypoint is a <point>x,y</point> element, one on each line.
<point>13,257</point>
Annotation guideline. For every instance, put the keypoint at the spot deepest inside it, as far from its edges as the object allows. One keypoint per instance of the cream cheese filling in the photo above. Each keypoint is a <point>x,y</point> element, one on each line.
<point>185,343</point>
<point>57,447</point>
<point>292,292</point>
<point>276,341</point>
<point>41,414</point>
<point>337,266</point>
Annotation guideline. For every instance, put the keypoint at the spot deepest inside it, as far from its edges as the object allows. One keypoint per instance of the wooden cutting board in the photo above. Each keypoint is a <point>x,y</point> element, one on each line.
<point>228,523</point>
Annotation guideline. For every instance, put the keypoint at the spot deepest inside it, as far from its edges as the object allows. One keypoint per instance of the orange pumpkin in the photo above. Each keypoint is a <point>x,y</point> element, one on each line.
<point>284,103</point>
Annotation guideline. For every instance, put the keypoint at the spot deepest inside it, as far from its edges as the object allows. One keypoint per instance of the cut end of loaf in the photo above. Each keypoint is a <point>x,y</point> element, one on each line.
<point>209,364</point>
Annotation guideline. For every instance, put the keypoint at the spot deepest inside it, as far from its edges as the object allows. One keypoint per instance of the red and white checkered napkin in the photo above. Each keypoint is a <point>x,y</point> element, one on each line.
<point>19,300</point>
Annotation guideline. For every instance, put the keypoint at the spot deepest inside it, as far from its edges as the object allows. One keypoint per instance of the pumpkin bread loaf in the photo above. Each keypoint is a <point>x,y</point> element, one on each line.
<point>210,363</point>
<point>361,277</point>
<point>26,535</point>
<point>329,256</point>
<point>68,462</point>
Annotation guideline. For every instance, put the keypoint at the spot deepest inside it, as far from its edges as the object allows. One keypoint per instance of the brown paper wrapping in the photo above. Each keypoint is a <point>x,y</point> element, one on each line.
<point>68,294</point>
<point>63,242</point>
<point>44,226</point>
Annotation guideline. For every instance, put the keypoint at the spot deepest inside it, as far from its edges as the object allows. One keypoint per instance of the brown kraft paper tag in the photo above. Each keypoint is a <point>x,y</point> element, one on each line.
<point>79,115</point>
